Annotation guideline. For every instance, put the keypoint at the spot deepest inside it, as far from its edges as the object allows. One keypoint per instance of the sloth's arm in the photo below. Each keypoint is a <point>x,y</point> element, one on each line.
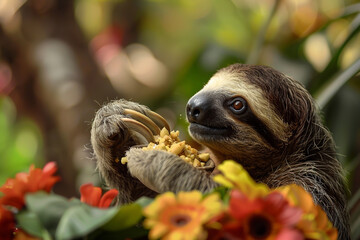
<point>111,136</point>
<point>162,172</point>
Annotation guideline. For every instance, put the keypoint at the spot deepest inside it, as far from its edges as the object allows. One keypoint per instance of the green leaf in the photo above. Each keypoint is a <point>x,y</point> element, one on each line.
<point>30,223</point>
<point>224,193</point>
<point>334,84</point>
<point>144,201</point>
<point>80,220</point>
<point>127,216</point>
<point>49,208</point>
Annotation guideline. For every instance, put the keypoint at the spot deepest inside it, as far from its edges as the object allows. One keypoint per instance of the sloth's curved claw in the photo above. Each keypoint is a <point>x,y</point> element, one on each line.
<point>154,121</point>
<point>159,120</point>
<point>144,120</point>
<point>140,128</point>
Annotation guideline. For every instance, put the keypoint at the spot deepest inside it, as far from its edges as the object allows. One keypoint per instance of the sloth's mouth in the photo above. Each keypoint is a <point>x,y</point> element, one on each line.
<point>197,129</point>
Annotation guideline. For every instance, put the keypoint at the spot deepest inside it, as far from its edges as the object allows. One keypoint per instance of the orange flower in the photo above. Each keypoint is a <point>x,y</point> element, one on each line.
<point>181,216</point>
<point>37,179</point>
<point>92,196</point>
<point>314,223</point>
<point>7,224</point>
<point>269,217</point>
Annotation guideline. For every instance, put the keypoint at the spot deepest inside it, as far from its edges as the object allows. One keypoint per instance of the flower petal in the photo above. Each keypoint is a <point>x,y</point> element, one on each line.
<point>49,183</point>
<point>235,176</point>
<point>192,197</point>
<point>223,181</point>
<point>107,198</point>
<point>213,206</point>
<point>240,205</point>
<point>90,194</point>
<point>50,168</point>
<point>176,235</point>
<point>158,231</point>
<point>160,202</point>
<point>280,207</point>
<point>298,197</point>
<point>13,199</point>
<point>288,233</point>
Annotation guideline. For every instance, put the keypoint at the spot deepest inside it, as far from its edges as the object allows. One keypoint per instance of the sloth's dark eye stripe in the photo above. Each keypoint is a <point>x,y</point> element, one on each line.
<point>250,118</point>
<point>263,130</point>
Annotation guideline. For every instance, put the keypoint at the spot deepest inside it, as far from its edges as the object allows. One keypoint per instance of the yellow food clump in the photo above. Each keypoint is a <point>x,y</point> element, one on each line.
<point>123,160</point>
<point>170,142</point>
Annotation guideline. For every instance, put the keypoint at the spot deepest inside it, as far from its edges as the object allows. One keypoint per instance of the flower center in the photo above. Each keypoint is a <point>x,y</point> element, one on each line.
<point>180,220</point>
<point>259,226</point>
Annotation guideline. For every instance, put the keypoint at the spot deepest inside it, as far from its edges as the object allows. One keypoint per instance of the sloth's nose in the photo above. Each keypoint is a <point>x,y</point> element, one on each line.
<point>197,107</point>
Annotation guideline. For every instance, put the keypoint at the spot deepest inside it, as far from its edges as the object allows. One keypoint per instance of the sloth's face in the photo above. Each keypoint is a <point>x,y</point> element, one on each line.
<point>229,114</point>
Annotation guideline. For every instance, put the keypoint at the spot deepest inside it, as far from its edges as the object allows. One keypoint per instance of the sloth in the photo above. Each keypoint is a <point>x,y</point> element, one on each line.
<point>252,114</point>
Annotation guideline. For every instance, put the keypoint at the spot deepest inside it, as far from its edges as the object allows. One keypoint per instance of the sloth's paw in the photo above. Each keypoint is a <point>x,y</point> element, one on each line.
<point>122,124</point>
<point>152,167</point>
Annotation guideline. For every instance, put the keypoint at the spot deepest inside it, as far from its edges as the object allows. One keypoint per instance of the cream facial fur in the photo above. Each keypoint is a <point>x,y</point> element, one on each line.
<point>236,84</point>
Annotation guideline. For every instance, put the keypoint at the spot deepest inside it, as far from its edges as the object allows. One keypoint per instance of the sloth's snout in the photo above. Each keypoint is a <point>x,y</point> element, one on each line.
<point>197,107</point>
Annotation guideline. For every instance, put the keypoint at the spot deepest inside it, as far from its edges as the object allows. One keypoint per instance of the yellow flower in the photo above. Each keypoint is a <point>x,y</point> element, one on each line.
<point>181,216</point>
<point>314,223</point>
<point>235,176</point>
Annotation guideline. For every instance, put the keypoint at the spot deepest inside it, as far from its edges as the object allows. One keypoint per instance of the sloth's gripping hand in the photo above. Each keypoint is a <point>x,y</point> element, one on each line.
<point>118,126</point>
<point>162,171</point>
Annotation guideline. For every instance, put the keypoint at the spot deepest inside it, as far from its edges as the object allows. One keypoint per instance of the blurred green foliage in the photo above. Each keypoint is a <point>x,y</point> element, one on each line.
<point>20,142</point>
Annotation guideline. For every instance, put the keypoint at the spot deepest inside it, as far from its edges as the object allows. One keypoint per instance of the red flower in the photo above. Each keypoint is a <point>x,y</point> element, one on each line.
<point>37,179</point>
<point>42,179</point>
<point>92,196</point>
<point>270,217</point>
<point>13,193</point>
<point>7,224</point>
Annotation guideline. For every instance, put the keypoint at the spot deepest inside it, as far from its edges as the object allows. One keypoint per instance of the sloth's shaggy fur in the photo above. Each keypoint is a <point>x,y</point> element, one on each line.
<point>279,139</point>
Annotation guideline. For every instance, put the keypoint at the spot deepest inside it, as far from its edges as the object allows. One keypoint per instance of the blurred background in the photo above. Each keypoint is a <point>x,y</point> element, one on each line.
<point>60,60</point>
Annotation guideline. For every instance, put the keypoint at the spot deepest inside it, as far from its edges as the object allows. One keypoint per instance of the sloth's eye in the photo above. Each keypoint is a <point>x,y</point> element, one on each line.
<point>237,105</point>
